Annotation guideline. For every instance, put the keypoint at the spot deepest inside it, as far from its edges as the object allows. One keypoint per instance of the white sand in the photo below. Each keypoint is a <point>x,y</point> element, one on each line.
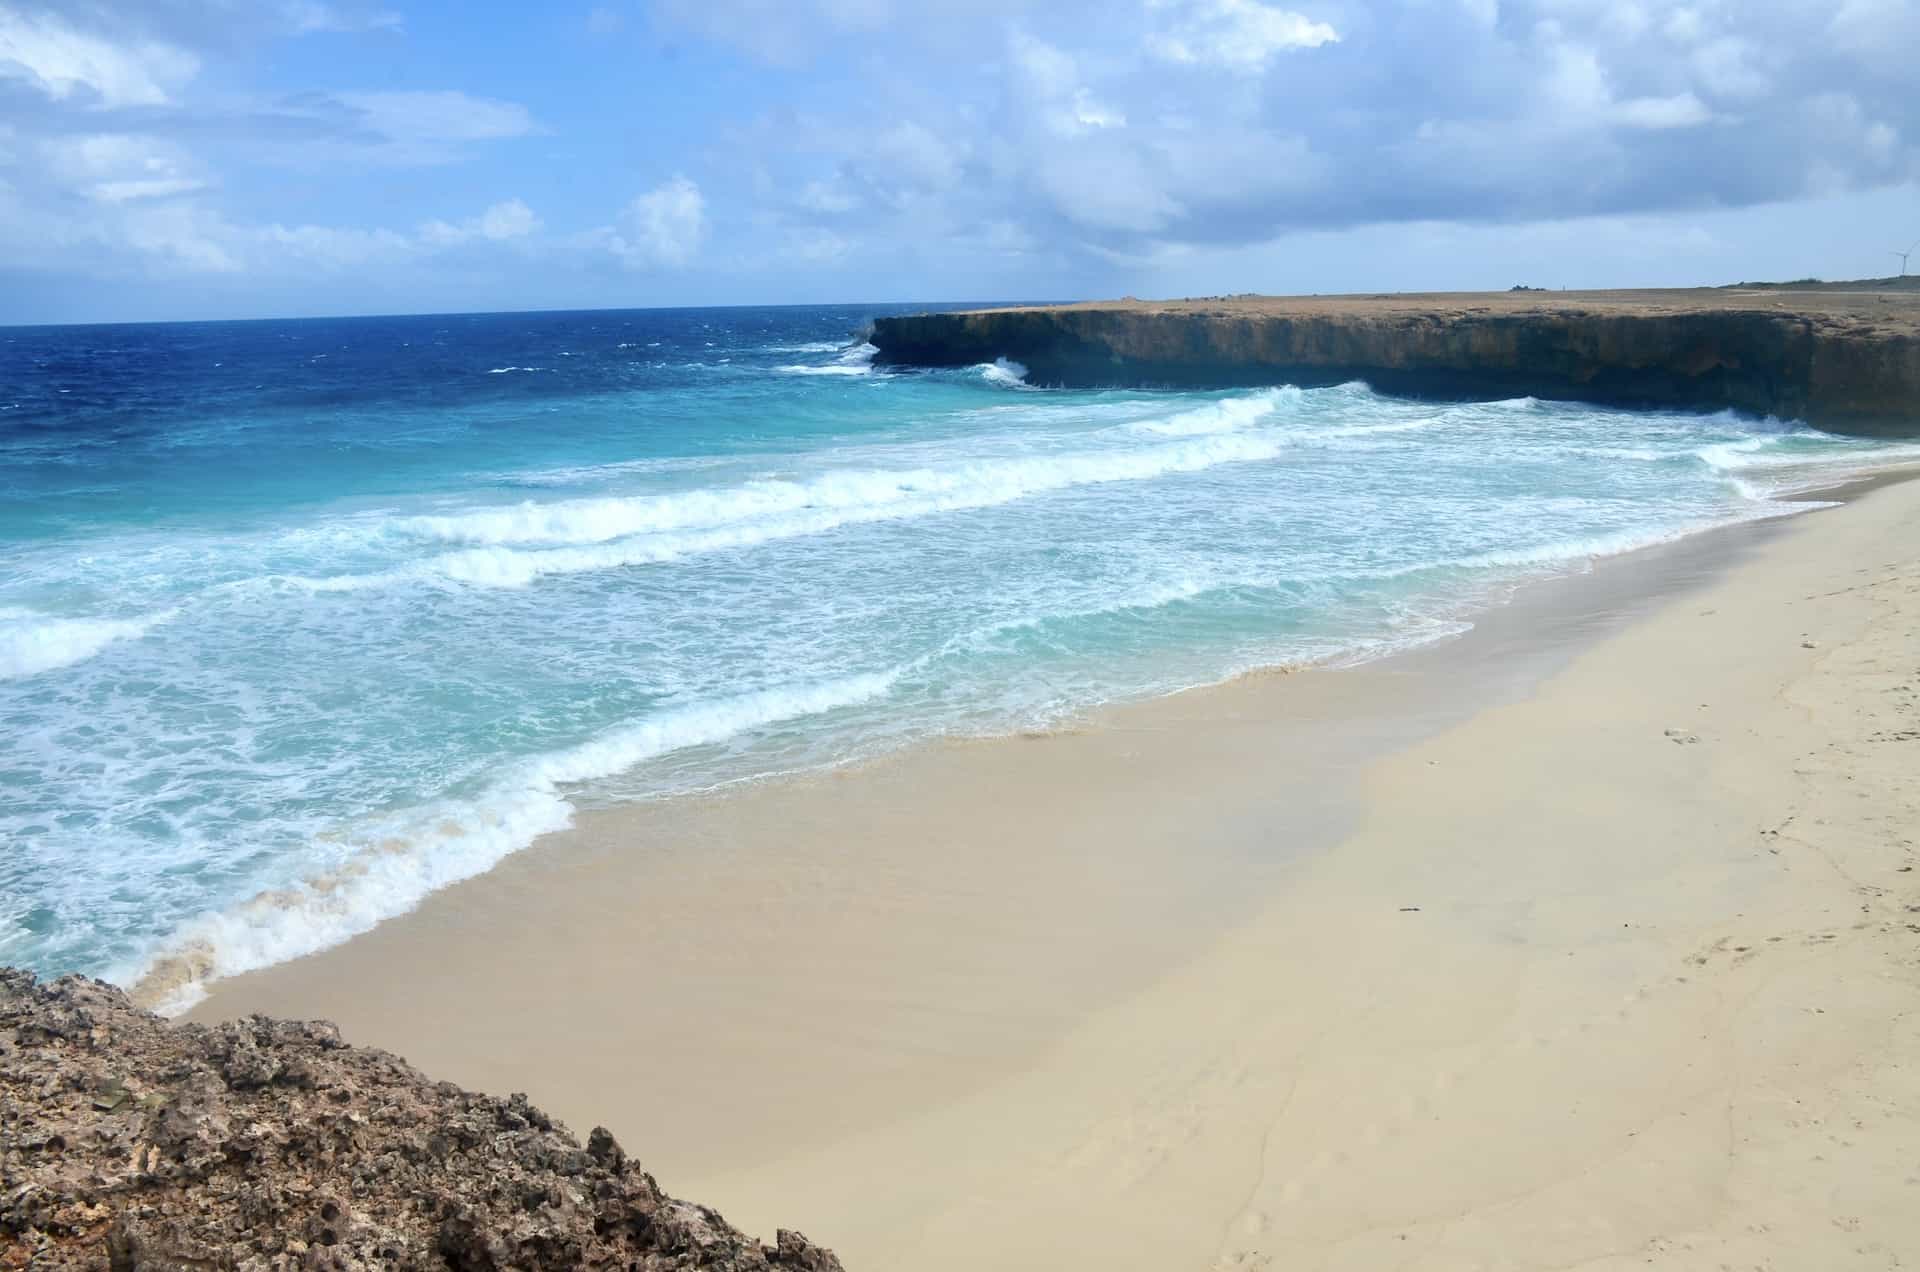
<point>1105,1000</point>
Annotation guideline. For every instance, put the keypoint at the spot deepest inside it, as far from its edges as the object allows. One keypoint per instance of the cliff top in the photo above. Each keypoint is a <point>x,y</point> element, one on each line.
<point>128,1142</point>
<point>1888,303</point>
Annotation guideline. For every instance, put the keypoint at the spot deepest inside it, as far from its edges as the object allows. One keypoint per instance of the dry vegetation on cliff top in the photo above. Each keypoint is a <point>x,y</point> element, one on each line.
<point>1890,304</point>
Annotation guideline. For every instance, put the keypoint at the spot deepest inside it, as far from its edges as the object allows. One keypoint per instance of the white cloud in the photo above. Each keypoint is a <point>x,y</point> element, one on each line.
<point>176,235</point>
<point>273,248</point>
<point>1578,93</point>
<point>1683,26</point>
<point>1240,35</point>
<point>826,196</point>
<point>119,168</point>
<point>334,248</point>
<point>1108,188</point>
<point>61,60</point>
<point>1090,112</point>
<point>1682,110</point>
<point>1484,12</point>
<point>510,219</point>
<point>1725,67</point>
<point>813,246</point>
<point>1044,70</point>
<point>1882,33</point>
<point>912,155</point>
<point>663,227</point>
<point>440,116</point>
<point>1053,90</point>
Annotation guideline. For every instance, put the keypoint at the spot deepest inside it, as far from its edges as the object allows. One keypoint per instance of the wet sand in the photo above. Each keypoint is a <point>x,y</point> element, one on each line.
<point>1580,939</point>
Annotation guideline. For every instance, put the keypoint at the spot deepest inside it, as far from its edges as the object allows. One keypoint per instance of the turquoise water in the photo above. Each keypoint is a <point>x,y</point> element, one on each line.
<point>300,621</point>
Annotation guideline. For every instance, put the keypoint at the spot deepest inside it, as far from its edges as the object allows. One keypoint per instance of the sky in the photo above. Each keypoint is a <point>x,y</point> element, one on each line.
<point>165,159</point>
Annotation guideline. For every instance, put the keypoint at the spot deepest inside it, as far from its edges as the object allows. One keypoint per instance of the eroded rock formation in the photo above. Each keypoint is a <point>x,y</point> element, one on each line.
<point>130,1143</point>
<point>1846,360</point>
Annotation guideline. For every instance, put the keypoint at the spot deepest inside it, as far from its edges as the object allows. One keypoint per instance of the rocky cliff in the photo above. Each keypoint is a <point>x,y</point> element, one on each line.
<point>1846,360</point>
<point>130,1143</point>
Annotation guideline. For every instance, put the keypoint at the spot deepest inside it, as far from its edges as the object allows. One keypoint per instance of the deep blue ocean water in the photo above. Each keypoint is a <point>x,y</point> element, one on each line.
<point>302,620</point>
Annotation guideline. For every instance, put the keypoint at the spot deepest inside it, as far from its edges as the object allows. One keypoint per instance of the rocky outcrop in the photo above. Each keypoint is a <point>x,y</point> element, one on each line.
<point>1842,360</point>
<point>130,1143</point>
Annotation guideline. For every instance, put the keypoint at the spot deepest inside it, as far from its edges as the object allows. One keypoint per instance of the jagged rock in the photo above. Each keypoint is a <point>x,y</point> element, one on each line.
<point>130,1143</point>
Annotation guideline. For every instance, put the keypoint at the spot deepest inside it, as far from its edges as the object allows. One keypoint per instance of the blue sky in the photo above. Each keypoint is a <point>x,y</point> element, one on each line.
<point>215,158</point>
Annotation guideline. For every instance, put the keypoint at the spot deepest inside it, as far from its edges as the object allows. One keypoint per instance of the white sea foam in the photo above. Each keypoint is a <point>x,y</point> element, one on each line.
<point>1223,416</point>
<point>510,370</point>
<point>1142,601</point>
<point>831,368</point>
<point>1004,373</point>
<point>392,863</point>
<point>853,360</point>
<point>594,534</point>
<point>32,643</point>
<point>1730,456</point>
<point>1784,464</point>
<point>809,346</point>
<point>1582,551</point>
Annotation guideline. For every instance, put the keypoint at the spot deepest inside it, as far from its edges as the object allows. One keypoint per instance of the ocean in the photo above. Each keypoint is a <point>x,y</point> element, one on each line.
<point>303,620</point>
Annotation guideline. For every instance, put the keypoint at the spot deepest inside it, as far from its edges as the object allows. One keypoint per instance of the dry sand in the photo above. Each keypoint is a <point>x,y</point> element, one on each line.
<point>1588,940</point>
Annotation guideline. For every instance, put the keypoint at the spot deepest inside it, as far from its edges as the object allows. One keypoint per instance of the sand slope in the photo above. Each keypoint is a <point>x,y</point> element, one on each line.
<point>1659,1005</point>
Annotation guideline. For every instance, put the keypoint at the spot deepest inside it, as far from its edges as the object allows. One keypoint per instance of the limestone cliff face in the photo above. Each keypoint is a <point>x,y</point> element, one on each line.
<point>1836,370</point>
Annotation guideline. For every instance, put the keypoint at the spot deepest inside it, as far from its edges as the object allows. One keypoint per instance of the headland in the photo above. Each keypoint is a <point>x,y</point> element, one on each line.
<point>1844,357</point>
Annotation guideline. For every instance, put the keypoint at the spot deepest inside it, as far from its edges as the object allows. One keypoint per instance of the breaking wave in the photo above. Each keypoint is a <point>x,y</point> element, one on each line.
<point>32,643</point>
<point>387,865</point>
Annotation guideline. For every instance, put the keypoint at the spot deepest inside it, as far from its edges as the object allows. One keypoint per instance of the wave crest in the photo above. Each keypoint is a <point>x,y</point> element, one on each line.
<point>32,643</point>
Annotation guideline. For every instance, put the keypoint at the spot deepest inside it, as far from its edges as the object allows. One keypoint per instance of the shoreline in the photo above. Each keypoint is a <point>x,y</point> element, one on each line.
<point>899,979</point>
<point>178,978</point>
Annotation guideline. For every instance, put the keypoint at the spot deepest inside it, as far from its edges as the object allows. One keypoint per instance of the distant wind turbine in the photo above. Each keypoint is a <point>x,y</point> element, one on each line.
<point>1903,257</point>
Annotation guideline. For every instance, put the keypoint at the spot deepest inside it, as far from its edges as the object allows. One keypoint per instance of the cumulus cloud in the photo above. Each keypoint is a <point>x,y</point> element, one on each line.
<point>114,142</point>
<point>1057,96</point>
<point>1130,133</point>
<point>1084,137</point>
<point>663,227</point>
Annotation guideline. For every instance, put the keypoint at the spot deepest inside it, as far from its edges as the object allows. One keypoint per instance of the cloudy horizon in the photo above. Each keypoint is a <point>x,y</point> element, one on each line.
<point>180,159</point>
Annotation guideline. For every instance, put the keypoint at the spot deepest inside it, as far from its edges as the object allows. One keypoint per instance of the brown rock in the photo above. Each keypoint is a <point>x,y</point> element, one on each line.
<point>1844,357</point>
<point>130,1143</point>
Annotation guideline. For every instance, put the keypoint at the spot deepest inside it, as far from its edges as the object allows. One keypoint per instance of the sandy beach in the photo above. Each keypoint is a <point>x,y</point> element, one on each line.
<point>1589,939</point>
